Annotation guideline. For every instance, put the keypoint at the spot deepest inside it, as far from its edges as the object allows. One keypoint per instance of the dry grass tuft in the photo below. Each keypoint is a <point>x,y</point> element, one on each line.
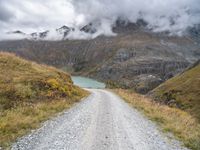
<point>184,126</point>
<point>182,91</point>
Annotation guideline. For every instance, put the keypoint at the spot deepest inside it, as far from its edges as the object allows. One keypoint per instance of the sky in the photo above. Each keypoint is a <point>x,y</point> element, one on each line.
<point>40,15</point>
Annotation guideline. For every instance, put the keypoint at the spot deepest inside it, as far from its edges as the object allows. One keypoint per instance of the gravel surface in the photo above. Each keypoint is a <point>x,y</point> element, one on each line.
<point>101,122</point>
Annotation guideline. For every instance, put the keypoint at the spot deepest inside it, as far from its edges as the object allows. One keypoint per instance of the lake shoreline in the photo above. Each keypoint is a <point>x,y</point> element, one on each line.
<point>85,82</point>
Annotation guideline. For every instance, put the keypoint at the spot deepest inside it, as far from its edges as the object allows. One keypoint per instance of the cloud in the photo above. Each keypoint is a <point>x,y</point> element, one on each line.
<point>40,15</point>
<point>37,15</point>
<point>172,15</point>
<point>5,13</point>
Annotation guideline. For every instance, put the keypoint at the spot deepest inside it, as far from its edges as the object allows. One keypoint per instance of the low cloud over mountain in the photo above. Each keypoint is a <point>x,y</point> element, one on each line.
<point>30,16</point>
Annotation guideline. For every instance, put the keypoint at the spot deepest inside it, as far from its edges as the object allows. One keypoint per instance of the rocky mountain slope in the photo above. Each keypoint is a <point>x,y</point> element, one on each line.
<point>136,57</point>
<point>182,91</point>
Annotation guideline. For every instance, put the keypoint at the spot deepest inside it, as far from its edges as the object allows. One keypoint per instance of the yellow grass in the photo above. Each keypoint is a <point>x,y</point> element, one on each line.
<point>184,126</point>
<point>183,89</point>
<point>29,94</point>
<point>17,122</point>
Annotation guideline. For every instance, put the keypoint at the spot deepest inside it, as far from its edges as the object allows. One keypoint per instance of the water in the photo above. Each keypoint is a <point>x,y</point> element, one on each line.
<point>87,82</point>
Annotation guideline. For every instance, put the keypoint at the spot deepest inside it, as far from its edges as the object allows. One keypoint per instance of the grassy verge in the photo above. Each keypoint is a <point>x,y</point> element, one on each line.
<point>184,126</point>
<point>19,121</point>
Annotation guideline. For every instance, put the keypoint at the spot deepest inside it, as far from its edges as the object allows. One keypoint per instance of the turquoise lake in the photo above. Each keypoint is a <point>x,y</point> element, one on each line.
<point>87,82</point>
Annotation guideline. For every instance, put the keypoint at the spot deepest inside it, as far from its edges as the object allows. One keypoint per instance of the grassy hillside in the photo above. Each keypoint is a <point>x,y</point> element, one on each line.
<point>29,94</point>
<point>184,126</point>
<point>182,91</point>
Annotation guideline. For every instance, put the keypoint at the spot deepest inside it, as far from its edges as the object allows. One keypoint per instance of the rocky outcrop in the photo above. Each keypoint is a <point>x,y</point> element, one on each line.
<point>90,28</point>
<point>140,69</point>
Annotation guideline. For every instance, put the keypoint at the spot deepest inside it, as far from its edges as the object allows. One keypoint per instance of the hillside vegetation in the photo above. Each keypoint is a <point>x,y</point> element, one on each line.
<point>29,94</point>
<point>184,126</point>
<point>182,91</point>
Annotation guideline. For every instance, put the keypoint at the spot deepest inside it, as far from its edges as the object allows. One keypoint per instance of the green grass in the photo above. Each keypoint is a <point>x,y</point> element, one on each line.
<point>184,126</point>
<point>182,91</point>
<point>30,94</point>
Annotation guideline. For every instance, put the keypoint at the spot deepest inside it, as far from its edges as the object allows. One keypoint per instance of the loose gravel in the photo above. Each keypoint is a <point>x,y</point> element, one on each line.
<point>101,122</point>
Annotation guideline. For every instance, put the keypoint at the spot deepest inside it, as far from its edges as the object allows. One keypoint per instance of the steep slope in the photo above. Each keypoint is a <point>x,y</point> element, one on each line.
<point>135,57</point>
<point>29,82</point>
<point>29,94</point>
<point>182,91</point>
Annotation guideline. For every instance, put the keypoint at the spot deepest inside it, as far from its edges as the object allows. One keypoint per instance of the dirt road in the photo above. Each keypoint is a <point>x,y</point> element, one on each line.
<point>101,122</point>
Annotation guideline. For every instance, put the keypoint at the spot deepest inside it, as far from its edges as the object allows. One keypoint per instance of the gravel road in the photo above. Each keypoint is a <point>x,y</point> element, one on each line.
<point>101,122</point>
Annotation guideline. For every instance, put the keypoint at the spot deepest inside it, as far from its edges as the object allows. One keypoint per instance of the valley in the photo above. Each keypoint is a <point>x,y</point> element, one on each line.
<point>156,75</point>
<point>135,58</point>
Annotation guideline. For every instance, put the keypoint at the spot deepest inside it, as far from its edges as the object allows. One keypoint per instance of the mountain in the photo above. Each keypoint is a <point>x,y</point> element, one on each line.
<point>40,35</point>
<point>61,33</point>
<point>64,30</point>
<point>182,91</point>
<point>194,32</point>
<point>125,27</point>
<point>16,32</point>
<point>90,28</point>
<point>120,27</point>
<point>135,58</point>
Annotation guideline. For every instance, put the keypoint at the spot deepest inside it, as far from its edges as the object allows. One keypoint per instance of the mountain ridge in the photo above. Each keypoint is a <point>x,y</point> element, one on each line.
<point>135,58</point>
<point>120,26</point>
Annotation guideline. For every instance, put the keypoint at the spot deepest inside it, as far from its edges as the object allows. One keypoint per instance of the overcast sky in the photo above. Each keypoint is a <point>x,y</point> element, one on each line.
<point>38,15</point>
